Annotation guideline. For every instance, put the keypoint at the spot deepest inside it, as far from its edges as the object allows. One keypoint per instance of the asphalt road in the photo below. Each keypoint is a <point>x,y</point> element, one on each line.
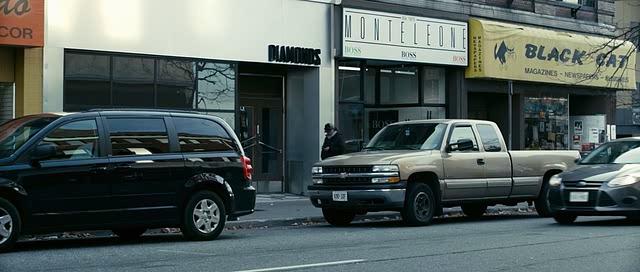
<point>493,243</point>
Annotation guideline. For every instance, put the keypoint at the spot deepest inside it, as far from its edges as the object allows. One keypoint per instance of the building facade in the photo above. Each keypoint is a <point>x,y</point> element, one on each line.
<point>627,20</point>
<point>505,77</point>
<point>277,70</point>
<point>263,66</point>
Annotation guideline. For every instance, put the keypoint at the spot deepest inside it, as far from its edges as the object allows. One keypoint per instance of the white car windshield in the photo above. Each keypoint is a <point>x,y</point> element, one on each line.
<point>622,152</point>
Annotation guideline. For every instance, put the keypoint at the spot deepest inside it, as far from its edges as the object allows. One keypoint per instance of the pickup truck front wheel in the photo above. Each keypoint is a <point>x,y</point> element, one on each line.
<point>420,205</point>
<point>338,217</point>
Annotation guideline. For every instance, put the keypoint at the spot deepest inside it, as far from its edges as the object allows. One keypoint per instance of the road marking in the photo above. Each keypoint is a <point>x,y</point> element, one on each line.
<point>282,268</point>
<point>186,252</point>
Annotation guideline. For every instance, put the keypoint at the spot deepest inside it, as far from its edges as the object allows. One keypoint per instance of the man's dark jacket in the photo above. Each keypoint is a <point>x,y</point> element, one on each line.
<point>335,144</point>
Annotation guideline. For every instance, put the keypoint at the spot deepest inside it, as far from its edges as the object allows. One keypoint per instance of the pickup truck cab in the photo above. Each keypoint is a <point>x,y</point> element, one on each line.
<point>420,167</point>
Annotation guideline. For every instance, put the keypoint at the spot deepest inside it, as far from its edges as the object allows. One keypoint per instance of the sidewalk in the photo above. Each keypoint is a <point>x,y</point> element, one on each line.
<point>291,210</point>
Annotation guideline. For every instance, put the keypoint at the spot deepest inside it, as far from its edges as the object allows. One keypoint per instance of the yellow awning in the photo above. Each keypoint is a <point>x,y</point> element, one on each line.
<point>515,52</point>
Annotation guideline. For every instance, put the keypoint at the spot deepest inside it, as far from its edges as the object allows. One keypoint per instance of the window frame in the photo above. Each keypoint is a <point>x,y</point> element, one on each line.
<point>484,147</point>
<point>99,130</point>
<point>473,130</point>
<point>171,135</point>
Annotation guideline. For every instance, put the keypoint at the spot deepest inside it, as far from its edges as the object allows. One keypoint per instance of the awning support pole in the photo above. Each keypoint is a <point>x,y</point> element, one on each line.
<point>510,90</point>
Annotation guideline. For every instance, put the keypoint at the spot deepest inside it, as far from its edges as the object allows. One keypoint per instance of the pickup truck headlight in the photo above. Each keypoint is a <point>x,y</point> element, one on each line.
<point>385,168</point>
<point>555,181</point>
<point>316,170</point>
<point>623,181</point>
<point>386,180</point>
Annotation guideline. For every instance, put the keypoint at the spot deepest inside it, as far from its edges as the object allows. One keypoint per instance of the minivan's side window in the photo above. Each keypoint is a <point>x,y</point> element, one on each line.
<point>201,135</point>
<point>138,136</point>
<point>489,138</point>
<point>75,140</point>
<point>463,133</point>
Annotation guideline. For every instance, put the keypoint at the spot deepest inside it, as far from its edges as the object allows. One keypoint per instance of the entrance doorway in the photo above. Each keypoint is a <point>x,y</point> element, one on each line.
<point>262,128</point>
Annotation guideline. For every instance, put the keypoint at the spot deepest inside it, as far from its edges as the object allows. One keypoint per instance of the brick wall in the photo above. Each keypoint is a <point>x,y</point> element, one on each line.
<point>28,81</point>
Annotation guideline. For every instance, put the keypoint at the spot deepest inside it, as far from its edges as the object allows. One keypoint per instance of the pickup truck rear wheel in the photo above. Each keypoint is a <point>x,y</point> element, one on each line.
<point>420,205</point>
<point>474,210</point>
<point>338,217</point>
<point>543,208</point>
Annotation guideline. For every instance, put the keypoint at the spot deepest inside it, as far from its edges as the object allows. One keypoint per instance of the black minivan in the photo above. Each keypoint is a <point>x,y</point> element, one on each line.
<point>121,170</point>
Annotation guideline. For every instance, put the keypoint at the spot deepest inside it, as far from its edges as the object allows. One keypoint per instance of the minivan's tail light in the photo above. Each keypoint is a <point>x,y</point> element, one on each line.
<point>247,169</point>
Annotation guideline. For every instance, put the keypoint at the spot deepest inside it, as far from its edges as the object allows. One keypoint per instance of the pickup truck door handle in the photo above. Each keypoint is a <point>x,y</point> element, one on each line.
<point>480,161</point>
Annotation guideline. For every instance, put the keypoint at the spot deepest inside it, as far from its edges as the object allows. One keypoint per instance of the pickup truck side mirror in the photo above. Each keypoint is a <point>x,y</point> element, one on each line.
<point>461,145</point>
<point>43,151</point>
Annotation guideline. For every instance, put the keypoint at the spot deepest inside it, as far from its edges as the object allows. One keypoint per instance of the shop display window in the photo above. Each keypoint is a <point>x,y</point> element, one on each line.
<point>372,96</point>
<point>546,123</point>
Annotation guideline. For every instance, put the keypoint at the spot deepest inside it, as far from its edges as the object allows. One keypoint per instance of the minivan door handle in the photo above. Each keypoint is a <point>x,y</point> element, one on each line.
<point>480,161</point>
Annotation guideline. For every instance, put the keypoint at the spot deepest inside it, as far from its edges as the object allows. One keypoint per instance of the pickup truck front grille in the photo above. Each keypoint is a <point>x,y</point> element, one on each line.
<point>346,169</point>
<point>347,181</point>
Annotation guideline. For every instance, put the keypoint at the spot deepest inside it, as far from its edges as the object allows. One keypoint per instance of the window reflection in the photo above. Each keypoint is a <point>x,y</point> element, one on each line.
<point>138,136</point>
<point>100,80</point>
<point>216,86</point>
<point>76,140</point>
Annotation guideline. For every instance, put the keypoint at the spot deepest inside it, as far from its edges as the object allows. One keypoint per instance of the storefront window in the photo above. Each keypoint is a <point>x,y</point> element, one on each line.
<point>398,90</point>
<point>99,80</point>
<point>175,84</point>
<point>349,82</point>
<point>546,123</point>
<point>399,86</point>
<point>370,86</point>
<point>87,81</point>
<point>433,85</point>
<point>377,118</point>
<point>133,82</point>
<point>351,125</point>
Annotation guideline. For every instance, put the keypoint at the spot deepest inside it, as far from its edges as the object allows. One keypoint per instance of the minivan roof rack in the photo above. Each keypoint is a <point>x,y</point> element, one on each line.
<point>141,109</point>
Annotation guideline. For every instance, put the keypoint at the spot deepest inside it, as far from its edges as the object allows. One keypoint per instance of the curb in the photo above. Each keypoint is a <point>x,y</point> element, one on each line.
<point>278,222</point>
<point>302,221</point>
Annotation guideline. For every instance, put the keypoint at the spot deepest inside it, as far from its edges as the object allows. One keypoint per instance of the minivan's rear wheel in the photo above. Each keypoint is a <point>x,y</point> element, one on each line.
<point>204,216</point>
<point>9,225</point>
<point>420,205</point>
<point>129,233</point>
<point>338,217</point>
<point>564,219</point>
<point>474,210</point>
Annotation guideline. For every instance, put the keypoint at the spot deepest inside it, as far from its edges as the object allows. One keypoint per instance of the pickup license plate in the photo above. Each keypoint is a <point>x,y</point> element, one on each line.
<point>339,196</point>
<point>578,196</point>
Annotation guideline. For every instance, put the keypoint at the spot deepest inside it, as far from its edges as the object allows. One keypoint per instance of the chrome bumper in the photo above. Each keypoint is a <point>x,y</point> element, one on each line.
<point>366,199</point>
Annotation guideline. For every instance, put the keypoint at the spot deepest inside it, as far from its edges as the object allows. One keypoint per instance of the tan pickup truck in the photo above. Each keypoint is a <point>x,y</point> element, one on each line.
<point>420,167</point>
